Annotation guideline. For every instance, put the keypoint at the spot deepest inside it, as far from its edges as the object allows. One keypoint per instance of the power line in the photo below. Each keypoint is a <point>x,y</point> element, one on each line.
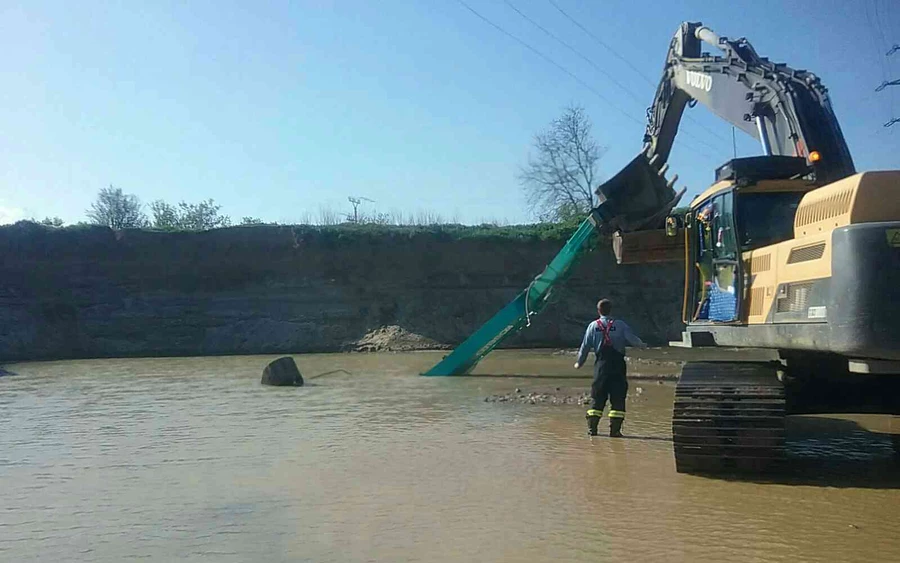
<point>890,52</point>
<point>577,79</point>
<point>733,142</point>
<point>880,23</point>
<point>603,43</point>
<point>641,74</point>
<point>568,72</point>
<point>597,67</point>
<point>883,60</point>
<point>574,50</point>
<point>552,62</point>
<point>878,46</point>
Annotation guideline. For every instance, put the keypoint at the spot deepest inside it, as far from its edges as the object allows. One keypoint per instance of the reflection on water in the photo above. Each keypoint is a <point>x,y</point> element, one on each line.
<point>192,458</point>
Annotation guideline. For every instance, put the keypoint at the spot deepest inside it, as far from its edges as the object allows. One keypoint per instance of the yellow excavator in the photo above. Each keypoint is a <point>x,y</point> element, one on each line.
<point>792,251</point>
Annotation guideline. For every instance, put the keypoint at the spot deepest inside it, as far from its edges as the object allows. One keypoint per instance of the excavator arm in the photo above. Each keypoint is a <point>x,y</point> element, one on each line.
<point>787,110</point>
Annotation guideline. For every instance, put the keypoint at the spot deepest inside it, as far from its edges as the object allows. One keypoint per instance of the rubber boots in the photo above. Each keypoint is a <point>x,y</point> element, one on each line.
<point>615,427</point>
<point>593,421</point>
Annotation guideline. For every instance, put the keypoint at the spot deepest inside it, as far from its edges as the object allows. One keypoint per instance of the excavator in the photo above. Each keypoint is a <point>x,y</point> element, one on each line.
<point>791,251</point>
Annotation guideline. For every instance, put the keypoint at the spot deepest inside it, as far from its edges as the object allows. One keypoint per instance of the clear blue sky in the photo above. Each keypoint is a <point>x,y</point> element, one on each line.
<point>277,109</point>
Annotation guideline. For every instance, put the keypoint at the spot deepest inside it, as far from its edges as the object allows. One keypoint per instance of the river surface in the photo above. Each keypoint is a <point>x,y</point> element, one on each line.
<point>165,459</point>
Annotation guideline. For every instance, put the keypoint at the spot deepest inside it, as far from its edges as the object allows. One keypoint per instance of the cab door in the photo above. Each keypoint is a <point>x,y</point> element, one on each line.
<point>716,270</point>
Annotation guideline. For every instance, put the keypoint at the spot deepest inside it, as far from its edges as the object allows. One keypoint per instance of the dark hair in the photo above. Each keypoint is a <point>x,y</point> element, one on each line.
<point>604,306</point>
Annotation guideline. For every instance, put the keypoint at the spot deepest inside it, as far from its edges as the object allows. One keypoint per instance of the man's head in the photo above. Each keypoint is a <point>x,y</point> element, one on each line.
<point>604,307</point>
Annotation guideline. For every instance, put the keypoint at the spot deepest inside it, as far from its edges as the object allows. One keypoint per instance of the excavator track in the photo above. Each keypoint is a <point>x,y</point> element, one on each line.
<point>728,417</point>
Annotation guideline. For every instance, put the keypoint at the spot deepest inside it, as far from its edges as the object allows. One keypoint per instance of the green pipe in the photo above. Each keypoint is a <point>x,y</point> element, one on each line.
<point>516,314</point>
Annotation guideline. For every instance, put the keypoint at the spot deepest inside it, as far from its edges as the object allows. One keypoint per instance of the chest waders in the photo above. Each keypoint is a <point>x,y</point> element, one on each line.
<point>609,384</point>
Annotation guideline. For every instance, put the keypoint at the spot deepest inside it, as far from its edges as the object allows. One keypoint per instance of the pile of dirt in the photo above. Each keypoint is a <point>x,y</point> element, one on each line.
<point>393,338</point>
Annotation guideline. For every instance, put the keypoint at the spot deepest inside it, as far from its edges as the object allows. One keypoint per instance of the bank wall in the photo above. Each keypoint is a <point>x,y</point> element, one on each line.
<point>92,292</point>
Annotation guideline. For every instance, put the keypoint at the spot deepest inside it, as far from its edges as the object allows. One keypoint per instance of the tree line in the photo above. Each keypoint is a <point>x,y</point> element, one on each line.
<point>117,210</point>
<point>558,182</point>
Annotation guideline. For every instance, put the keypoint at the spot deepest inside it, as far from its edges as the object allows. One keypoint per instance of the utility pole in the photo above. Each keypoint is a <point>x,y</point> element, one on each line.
<point>355,201</point>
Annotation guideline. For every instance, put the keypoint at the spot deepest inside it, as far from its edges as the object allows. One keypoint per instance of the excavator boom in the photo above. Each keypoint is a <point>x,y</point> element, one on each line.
<point>787,110</point>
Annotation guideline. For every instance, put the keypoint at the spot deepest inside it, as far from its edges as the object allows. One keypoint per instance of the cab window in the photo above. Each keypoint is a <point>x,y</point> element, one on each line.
<point>716,265</point>
<point>766,218</point>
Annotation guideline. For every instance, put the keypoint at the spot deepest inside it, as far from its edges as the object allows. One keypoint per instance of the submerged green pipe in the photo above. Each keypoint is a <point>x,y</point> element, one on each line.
<point>516,314</point>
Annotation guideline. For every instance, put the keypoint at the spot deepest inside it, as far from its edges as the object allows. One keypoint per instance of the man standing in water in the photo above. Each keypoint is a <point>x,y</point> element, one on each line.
<point>607,338</point>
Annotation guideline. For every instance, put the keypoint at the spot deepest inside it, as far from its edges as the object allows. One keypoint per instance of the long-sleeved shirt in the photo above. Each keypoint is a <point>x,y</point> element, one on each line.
<point>620,334</point>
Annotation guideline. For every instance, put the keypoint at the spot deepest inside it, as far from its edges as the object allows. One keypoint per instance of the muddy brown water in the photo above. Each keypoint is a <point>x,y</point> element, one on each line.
<point>168,459</point>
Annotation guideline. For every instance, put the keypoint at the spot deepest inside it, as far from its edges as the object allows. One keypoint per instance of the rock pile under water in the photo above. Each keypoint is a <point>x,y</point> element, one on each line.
<point>540,398</point>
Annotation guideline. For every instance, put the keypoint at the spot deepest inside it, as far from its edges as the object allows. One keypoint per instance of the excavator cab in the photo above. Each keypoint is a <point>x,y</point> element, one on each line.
<point>752,205</point>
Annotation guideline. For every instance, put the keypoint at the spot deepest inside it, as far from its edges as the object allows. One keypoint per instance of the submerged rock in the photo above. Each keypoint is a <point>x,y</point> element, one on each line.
<point>282,372</point>
<point>5,372</point>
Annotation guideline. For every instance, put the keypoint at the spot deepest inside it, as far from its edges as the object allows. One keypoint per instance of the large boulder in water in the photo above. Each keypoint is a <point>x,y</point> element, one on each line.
<point>282,372</point>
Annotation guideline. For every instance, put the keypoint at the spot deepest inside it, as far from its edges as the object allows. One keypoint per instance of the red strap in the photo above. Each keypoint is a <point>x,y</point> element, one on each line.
<point>605,330</point>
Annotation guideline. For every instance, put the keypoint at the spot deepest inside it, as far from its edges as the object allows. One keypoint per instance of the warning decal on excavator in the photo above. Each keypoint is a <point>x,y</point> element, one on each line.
<point>893,237</point>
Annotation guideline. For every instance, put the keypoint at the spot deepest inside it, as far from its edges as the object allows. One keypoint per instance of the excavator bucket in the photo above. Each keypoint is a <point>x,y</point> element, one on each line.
<point>633,207</point>
<point>637,198</point>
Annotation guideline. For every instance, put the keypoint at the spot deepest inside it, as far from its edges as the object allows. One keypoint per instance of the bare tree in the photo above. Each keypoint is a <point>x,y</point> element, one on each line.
<point>117,210</point>
<point>560,177</point>
<point>328,217</point>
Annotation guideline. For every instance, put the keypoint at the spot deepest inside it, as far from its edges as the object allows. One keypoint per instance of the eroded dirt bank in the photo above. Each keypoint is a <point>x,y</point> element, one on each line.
<point>92,292</point>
